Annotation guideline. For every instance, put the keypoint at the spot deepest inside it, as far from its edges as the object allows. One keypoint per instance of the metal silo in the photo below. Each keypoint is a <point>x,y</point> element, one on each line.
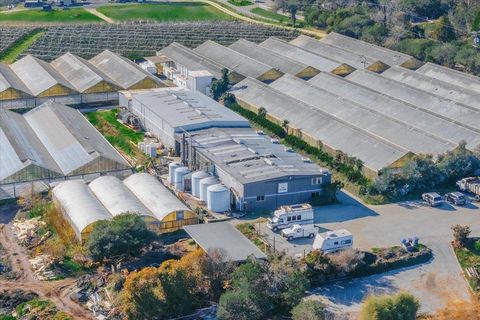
<point>180,172</point>
<point>204,184</point>
<point>172,166</point>
<point>196,177</point>
<point>218,198</point>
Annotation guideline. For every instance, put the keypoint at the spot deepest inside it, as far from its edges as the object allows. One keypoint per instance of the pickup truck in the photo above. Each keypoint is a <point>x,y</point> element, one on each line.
<point>299,231</point>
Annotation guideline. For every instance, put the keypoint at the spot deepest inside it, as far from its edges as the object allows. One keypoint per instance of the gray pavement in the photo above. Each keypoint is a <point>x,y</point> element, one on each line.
<point>432,283</point>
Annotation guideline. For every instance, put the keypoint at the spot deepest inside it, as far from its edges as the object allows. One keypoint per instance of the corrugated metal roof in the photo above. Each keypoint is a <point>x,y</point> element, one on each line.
<point>374,152</point>
<point>299,54</point>
<point>191,60</point>
<point>224,237</point>
<point>353,59</point>
<point>37,75</point>
<point>8,79</point>
<point>451,76</point>
<point>374,52</point>
<point>124,72</point>
<point>9,160</point>
<point>398,109</point>
<point>154,195</point>
<point>116,197</point>
<point>442,107</point>
<point>367,120</point>
<point>233,60</point>
<point>438,87</point>
<point>81,74</point>
<point>80,205</point>
<point>267,56</point>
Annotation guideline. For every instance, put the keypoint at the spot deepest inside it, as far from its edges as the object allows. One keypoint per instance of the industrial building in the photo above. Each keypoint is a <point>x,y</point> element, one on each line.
<point>70,80</point>
<point>53,142</point>
<point>167,112</point>
<point>455,77</point>
<point>82,205</point>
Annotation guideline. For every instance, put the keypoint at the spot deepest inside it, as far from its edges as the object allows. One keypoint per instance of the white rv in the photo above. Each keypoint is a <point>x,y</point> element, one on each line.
<point>287,216</point>
<point>333,241</point>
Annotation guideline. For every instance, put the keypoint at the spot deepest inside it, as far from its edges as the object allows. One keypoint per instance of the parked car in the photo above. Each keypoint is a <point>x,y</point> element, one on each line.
<point>456,198</point>
<point>297,231</point>
<point>287,216</point>
<point>333,241</point>
<point>432,198</point>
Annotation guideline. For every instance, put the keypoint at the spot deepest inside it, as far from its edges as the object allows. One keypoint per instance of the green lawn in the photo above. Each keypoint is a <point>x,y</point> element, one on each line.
<point>470,257</point>
<point>13,52</point>
<point>183,11</point>
<point>270,15</point>
<point>240,3</point>
<point>56,16</point>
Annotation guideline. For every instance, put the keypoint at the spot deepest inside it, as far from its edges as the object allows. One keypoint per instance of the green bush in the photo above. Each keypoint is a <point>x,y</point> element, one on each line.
<point>309,310</point>
<point>402,306</point>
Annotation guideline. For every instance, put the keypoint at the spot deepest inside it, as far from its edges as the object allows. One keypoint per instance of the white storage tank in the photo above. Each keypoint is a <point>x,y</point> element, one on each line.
<point>172,166</point>
<point>179,173</point>
<point>204,184</point>
<point>196,177</point>
<point>218,198</point>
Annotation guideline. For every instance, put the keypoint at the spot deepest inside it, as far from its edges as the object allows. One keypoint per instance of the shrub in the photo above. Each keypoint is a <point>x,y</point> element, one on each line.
<point>402,306</point>
<point>347,260</point>
<point>309,310</point>
<point>461,233</point>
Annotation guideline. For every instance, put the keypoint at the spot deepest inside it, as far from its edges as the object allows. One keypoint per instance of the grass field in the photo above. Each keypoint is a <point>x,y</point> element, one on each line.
<point>269,14</point>
<point>183,11</point>
<point>56,16</point>
<point>14,51</point>
<point>240,3</point>
<point>470,257</point>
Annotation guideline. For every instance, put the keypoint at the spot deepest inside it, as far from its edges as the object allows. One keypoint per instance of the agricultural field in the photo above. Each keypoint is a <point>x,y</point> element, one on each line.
<point>136,40</point>
<point>10,35</point>
<point>33,16</point>
<point>12,52</point>
<point>164,12</point>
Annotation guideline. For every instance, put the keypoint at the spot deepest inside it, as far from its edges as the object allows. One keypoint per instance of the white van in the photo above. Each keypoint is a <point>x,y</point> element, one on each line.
<point>287,216</point>
<point>333,241</point>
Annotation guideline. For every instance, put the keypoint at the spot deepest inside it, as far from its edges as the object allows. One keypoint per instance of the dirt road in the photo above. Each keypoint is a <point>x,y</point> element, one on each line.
<point>56,291</point>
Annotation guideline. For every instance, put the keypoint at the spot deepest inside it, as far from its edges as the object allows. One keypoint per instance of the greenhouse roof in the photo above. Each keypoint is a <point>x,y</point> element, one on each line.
<point>186,110</point>
<point>233,60</point>
<point>154,195</point>
<point>445,108</point>
<point>81,74</point>
<point>446,90</point>
<point>451,76</point>
<point>267,56</point>
<point>376,153</point>
<point>248,156</point>
<point>191,60</point>
<point>124,72</point>
<point>299,54</point>
<point>353,59</point>
<point>373,123</point>
<point>374,52</point>
<point>37,75</point>
<point>397,109</point>
<point>8,79</point>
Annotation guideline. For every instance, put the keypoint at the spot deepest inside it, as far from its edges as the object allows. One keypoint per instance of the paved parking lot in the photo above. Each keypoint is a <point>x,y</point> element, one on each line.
<point>377,226</point>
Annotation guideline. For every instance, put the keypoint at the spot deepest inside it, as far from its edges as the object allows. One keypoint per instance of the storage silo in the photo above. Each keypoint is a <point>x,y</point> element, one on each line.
<point>180,172</point>
<point>196,177</point>
<point>218,198</point>
<point>204,184</point>
<point>172,166</point>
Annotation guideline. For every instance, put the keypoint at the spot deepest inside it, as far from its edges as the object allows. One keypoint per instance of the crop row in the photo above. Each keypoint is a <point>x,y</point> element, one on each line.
<point>8,35</point>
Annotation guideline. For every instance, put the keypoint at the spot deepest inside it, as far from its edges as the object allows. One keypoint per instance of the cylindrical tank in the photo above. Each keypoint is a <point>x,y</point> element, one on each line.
<point>196,177</point>
<point>204,184</point>
<point>172,166</point>
<point>179,173</point>
<point>218,198</point>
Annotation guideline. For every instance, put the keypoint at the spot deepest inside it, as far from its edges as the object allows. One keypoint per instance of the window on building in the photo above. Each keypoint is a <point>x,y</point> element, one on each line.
<point>299,217</point>
<point>289,219</point>
<point>315,194</point>
<point>336,243</point>
<point>347,241</point>
<point>316,180</point>
<point>260,198</point>
<point>180,215</point>
<point>294,218</point>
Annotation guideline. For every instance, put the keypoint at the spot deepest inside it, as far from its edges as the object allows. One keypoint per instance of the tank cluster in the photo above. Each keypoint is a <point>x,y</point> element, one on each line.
<point>204,186</point>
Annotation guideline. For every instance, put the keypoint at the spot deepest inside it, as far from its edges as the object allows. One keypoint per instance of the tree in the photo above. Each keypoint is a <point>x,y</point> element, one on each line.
<point>220,86</point>
<point>122,236</point>
<point>292,8</point>
<point>262,112</point>
<point>444,30</point>
<point>461,233</point>
<point>402,306</point>
<point>309,310</point>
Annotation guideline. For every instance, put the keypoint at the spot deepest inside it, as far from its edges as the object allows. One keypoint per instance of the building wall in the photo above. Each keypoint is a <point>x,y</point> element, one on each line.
<point>176,220</point>
<point>11,94</point>
<point>56,90</point>
<point>146,83</point>
<point>100,87</point>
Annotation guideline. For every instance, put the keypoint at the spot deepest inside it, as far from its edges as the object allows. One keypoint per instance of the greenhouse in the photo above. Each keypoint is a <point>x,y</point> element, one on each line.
<point>11,87</point>
<point>79,206</point>
<point>452,76</point>
<point>238,62</point>
<point>172,213</point>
